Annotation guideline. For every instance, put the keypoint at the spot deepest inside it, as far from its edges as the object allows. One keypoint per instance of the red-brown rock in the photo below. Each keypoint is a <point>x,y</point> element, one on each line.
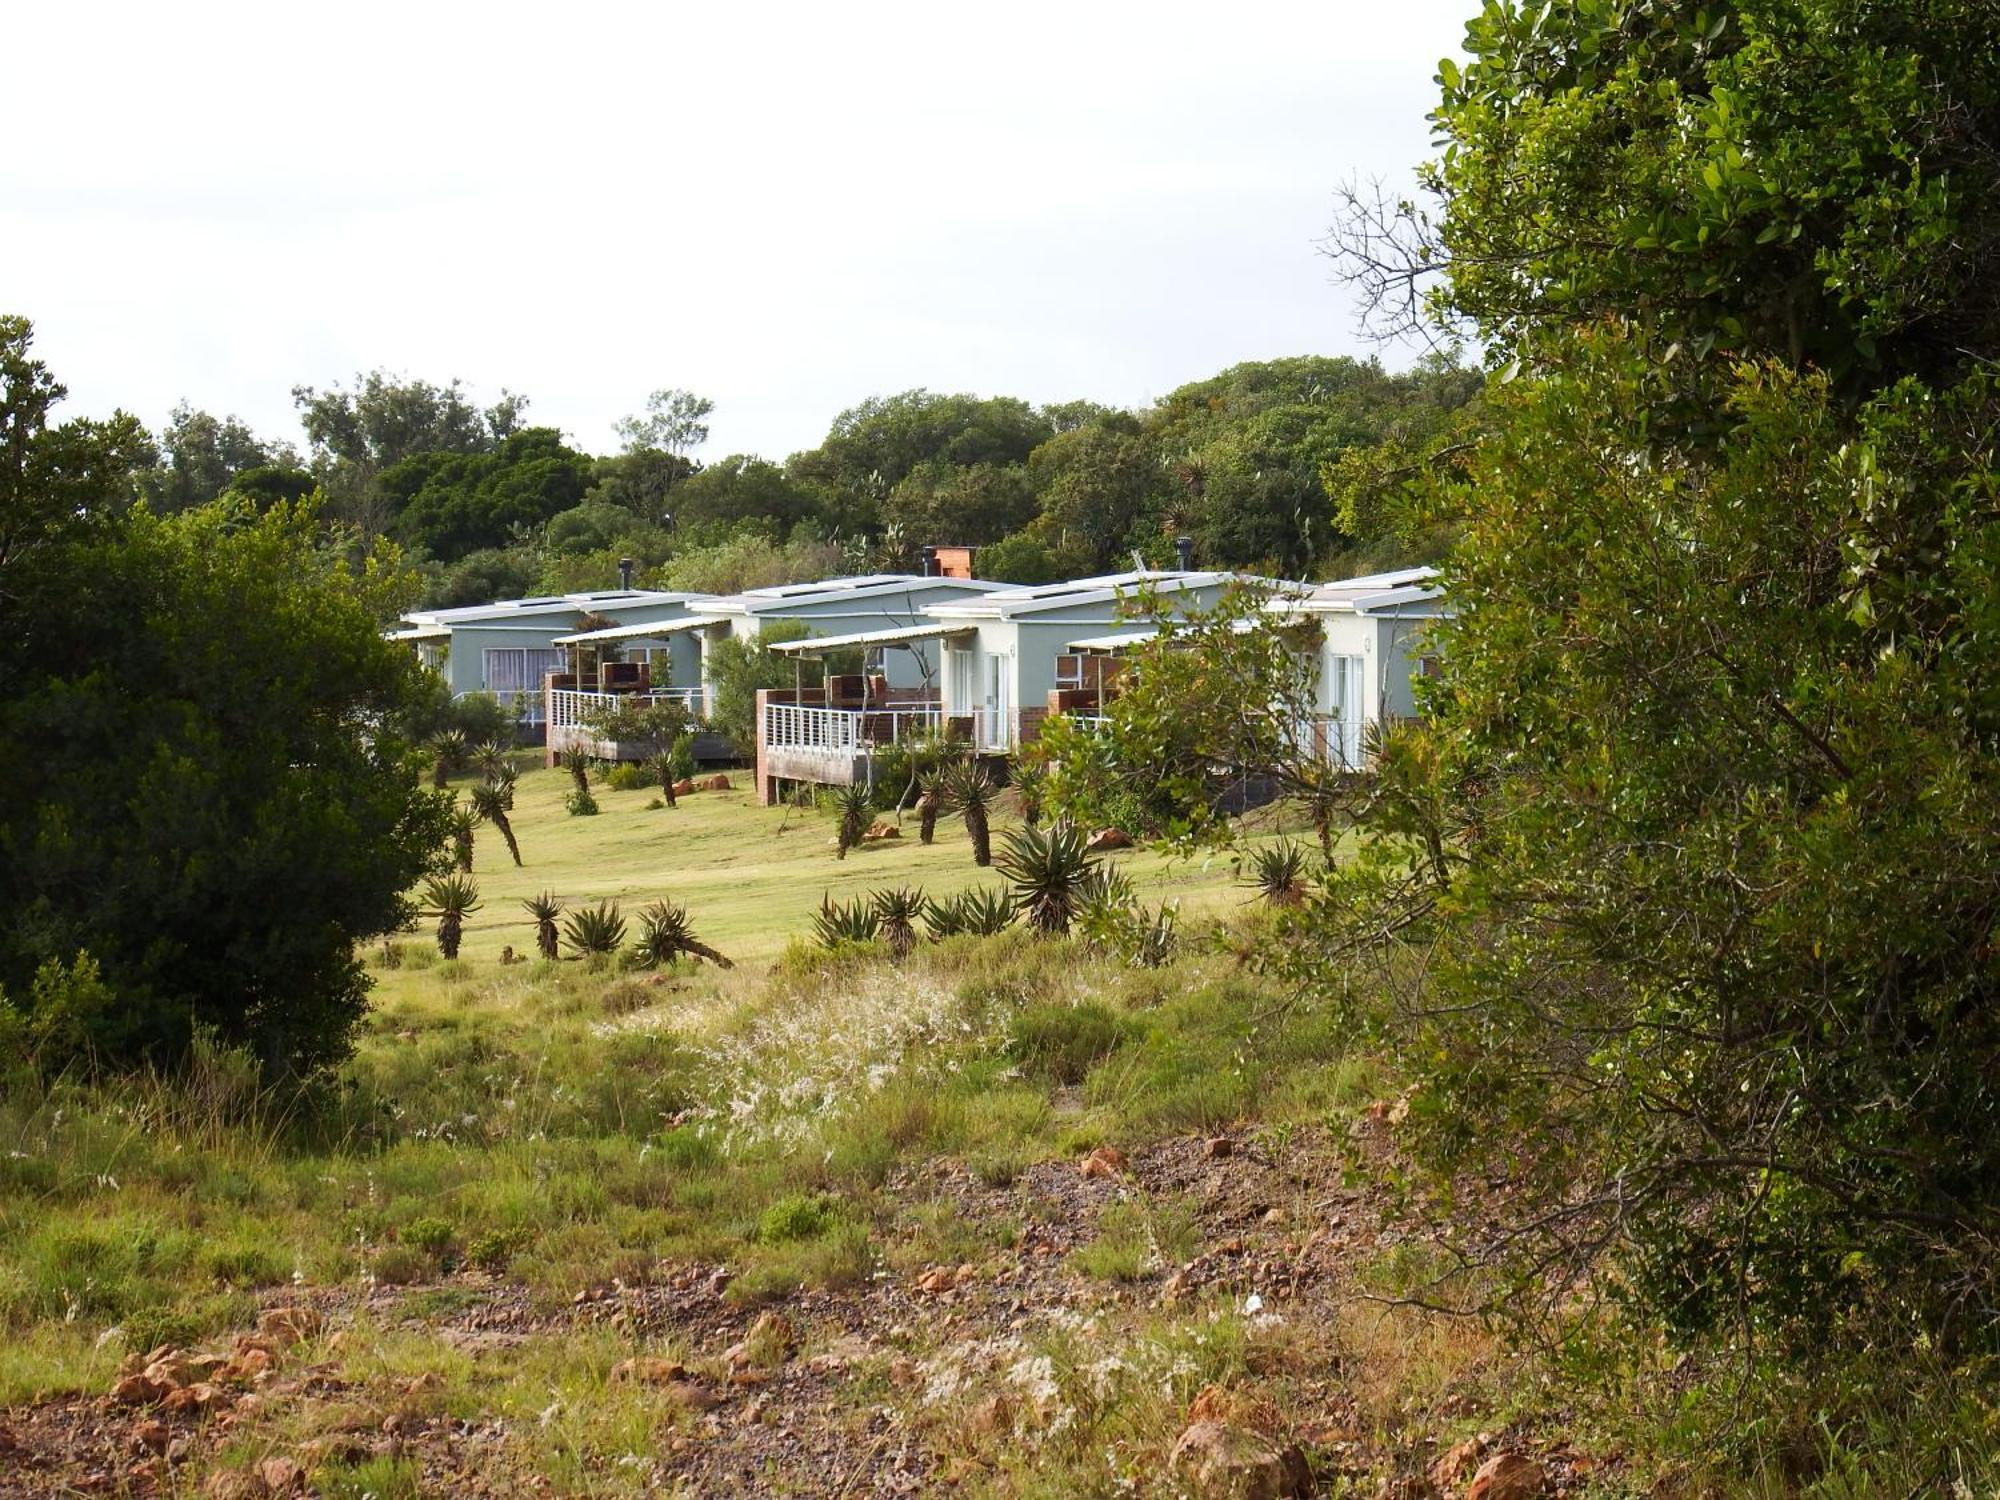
<point>1220,1462</point>
<point>1507,1476</point>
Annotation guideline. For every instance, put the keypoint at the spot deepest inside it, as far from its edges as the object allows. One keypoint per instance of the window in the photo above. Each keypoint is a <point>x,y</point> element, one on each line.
<point>519,669</point>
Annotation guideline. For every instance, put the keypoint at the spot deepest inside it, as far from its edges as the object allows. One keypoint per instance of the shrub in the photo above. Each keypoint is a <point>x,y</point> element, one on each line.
<point>797,1217</point>
<point>430,1235</point>
<point>581,803</point>
<point>628,776</point>
<point>1063,1042</point>
<point>225,672</point>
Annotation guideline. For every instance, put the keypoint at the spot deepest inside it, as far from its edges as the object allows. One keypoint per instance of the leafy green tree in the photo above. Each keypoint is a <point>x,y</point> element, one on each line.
<point>1019,558</point>
<point>968,506</point>
<point>749,560</point>
<point>56,482</point>
<point>208,791</point>
<point>450,504</point>
<point>737,670</point>
<point>646,482</point>
<point>203,455</point>
<point>1099,486</point>
<point>1816,182</point>
<point>1696,845</point>
<point>674,422</point>
<point>740,489</point>
<point>484,575</point>
<point>273,484</point>
<point>357,434</point>
<point>1202,705</point>
<point>873,446</point>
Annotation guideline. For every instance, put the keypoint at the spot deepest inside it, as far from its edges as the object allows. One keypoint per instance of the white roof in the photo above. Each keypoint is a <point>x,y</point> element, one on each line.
<point>1114,641</point>
<point>548,604</point>
<point>1118,640</point>
<point>776,599</point>
<point>1371,593</point>
<point>815,645</point>
<point>1007,604</point>
<point>420,633</point>
<point>658,629</point>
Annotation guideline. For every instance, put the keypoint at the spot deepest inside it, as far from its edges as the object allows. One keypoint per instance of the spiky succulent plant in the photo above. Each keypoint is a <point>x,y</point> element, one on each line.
<point>665,933</point>
<point>545,909</point>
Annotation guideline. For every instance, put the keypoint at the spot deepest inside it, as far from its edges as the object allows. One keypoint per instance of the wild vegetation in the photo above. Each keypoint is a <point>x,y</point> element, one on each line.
<point>1598,1094</point>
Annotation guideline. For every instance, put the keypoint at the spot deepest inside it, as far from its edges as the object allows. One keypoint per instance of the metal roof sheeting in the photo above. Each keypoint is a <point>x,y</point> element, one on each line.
<point>815,645</point>
<point>640,632</point>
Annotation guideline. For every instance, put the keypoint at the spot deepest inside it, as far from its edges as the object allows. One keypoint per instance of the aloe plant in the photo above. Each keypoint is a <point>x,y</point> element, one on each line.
<point>1048,869</point>
<point>666,933</point>
<point>1031,784</point>
<point>451,899</point>
<point>930,802</point>
<point>839,922</point>
<point>463,825</point>
<point>491,802</point>
<point>593,931</point>
<point>978,911</point>
<point>449,753</point>
<point>1278,872</point>
<point>969,793</point>
<point>898,909</point>
<point>545,909</point>
<point>856,806</point>
<point>578,765</point>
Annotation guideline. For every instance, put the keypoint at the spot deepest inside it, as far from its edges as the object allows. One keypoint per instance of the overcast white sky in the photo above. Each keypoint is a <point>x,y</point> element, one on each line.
<point>787,208</point>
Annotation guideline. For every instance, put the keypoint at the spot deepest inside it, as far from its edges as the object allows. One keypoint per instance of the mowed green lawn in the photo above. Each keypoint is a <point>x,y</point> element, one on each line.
<point>751,877</point>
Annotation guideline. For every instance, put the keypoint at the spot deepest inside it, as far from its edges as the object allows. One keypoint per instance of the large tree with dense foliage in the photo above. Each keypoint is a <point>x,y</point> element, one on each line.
<point>450,504</point>
<point>357,434</point>
<point>209,799</point>
<point>202,455</point>
<point>1699,845</point>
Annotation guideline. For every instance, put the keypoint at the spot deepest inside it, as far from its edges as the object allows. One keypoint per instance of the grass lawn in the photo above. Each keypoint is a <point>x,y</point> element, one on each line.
<point>751,877</point>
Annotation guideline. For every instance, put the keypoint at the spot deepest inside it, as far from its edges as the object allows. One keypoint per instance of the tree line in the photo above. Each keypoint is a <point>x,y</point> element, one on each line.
<point>1267,466</point>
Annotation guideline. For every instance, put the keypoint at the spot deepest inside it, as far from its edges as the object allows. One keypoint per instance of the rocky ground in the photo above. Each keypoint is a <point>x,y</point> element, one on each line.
<point>916,1381</point>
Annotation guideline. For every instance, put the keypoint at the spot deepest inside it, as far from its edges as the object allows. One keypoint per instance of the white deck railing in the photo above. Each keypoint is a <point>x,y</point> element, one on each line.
<point>845,731</point>
<point>572,709</point>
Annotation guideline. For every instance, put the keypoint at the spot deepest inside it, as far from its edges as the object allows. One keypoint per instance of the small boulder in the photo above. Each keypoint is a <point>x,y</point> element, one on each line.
<point>1109,838</point>
<point>1218,1146</point>
<point>994,1415</point>
<point>716,783</point>
<point>139,1390</point>
<point>281,1475</point>
<point>879,830</point>
<point>649,1370</point>
<point>1454,1461</point>
<point>285,1326</point>
<point>769,1343</point>
<point>1221,1462</point>
<point>1105,1161</point>
<point>199,1397</point>
<point>691,1394</point>
<point>683,788</point>
<point>1507,1476</point>
<point>152,1436</point>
